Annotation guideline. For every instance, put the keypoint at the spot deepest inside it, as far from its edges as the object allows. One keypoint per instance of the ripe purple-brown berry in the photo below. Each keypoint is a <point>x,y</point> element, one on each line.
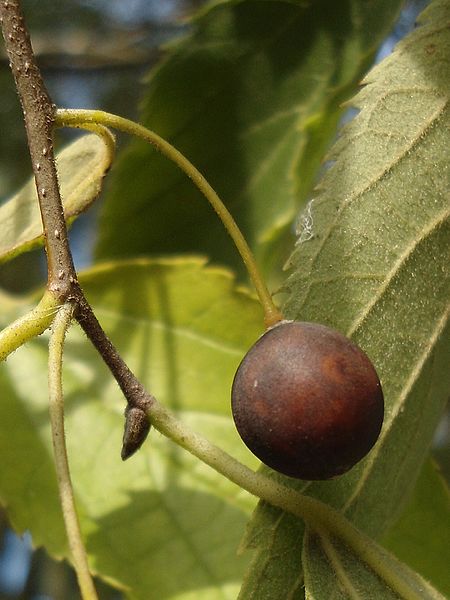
<point>307,401</point>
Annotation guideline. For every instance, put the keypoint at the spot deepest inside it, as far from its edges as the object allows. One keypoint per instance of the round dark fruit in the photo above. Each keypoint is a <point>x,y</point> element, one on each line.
<point>307,401</point>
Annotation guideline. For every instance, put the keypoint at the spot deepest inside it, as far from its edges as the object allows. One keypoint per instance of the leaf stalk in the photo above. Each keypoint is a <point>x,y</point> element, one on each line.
<point>28,326</point>
<point>84,119</point>
<point>56,404</point>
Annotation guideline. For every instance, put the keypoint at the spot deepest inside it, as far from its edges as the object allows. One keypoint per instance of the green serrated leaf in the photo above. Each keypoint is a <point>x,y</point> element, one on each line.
<point>252,97</point>
<point>161,525</point>
<point>275,537</point>
<point>352,579</point>
<point>373,260</point>
<point>81,169</point>
<point>420,537</point>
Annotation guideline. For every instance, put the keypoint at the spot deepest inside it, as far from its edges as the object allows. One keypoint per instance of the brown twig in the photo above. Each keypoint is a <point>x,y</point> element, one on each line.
<point>39,116</point>
<point>38,111</point>
<point>137,424</point>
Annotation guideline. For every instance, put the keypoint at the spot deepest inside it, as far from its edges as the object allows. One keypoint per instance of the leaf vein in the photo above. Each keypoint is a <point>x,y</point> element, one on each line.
<point>390,276</point>
<point>182,332</point>
<point>336,564</point>
<point>413,377</point>
<point>368,185</point>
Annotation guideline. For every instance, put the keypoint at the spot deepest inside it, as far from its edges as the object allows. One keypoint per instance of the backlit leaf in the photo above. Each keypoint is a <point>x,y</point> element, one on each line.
<point>161,524</point>
<point>81,169</point>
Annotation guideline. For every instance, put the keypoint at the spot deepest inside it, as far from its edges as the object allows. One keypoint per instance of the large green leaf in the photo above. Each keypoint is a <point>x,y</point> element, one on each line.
<point>373,260</point>
<point>81,169</point>
<point>252,97</point>
<point>162,524</point>
<point>420,537</point>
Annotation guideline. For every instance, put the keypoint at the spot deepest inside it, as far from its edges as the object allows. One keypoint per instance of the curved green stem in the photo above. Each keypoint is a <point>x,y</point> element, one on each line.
<point>315,513</point>
<point>85,119</point>
<point>107,137</point>
<point>60,326</point>
<point>29,326</point>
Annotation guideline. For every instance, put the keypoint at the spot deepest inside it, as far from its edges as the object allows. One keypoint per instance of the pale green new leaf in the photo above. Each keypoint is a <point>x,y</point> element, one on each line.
<point>373,260</point>
<point>162,524</point>
<point>81,169</point>
<point>252,97</point>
